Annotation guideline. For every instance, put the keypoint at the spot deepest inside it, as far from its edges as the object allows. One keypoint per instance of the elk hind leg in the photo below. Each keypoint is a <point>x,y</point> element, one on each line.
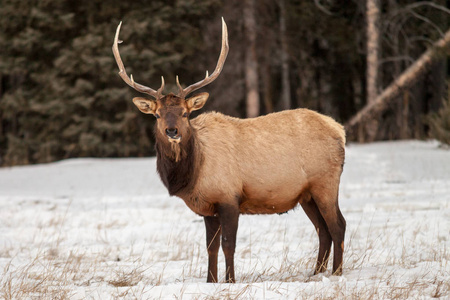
<point>327,203</point>
<point>313,213</point>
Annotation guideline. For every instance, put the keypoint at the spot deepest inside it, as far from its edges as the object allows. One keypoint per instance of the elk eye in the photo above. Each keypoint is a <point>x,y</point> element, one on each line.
<point>185,115</point>
<point>157,116</point>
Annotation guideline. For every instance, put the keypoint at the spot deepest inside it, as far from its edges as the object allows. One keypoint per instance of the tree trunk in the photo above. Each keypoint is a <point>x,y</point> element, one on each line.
<point>285,81</point>
<point>403,116</point>
<point>267,80</point>
<point>373,54</point>
<point>251,62</point>
<point>406,79</point>
<point>436,86</point>
<point>373,48</point>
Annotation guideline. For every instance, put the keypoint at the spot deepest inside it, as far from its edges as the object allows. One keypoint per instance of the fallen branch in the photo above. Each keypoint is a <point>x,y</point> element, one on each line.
<point>406,79</point>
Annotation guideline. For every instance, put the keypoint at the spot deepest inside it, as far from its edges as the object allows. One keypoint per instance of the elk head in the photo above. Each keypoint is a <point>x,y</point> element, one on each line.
<point>172,111</point>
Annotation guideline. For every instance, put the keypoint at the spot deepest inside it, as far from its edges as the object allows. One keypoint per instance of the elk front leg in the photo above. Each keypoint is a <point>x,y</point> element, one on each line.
<point>229,219</point>
<point>213,231</point>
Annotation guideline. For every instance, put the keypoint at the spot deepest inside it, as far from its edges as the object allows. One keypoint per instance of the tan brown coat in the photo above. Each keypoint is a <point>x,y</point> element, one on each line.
<point>269,163</point>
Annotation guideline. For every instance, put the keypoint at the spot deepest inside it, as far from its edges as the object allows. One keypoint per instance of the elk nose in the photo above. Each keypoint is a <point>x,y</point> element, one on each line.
<point>171,132</point>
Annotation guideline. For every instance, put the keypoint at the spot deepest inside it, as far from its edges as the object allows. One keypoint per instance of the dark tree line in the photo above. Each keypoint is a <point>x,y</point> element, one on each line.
<point>61,97</point>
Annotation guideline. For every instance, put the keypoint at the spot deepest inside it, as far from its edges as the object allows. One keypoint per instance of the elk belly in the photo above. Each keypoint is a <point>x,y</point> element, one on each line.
<point>199,206</point>
<point>255,206</point>
<point>271,201</point>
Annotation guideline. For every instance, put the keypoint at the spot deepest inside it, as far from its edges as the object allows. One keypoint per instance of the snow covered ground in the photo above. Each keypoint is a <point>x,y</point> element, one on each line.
<point>106,229</point>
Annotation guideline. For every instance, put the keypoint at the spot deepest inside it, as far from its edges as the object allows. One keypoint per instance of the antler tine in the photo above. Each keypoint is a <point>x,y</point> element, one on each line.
<point>161,89</point>
<point>180,88</point>
<point>123,73</point>
<point>208,79</point>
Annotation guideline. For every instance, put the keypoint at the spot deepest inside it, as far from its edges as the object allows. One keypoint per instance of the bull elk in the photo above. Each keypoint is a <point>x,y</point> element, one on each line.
<point>223,166</point>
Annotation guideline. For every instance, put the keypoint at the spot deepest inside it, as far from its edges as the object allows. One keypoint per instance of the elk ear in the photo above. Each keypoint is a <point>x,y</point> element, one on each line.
<point>196,102</point>
<point>144,105</point>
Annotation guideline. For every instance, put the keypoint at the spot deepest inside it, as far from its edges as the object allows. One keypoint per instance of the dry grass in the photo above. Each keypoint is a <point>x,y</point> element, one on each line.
<point>387,257</point>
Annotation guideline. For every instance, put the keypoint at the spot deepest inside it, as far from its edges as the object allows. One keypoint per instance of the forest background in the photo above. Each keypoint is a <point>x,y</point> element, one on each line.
<point>61,96</point>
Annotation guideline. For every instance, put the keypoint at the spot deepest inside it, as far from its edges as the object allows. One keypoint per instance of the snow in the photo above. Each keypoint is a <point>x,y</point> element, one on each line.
<point>106,229</point>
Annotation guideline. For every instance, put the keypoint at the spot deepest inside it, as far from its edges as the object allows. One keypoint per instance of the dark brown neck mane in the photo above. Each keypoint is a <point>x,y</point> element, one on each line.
<point>178,175</point>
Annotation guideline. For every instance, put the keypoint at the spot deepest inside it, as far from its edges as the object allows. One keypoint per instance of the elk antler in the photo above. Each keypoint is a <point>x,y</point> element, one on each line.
<point>208,79</point>
<point>123,73</point>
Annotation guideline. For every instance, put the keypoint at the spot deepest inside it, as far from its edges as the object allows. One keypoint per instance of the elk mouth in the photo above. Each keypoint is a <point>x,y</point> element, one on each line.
<point>175,139</point>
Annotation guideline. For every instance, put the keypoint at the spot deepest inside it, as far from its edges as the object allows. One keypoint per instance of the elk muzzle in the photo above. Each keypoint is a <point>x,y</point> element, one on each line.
<point>172,127</point>
<point>172,134</point>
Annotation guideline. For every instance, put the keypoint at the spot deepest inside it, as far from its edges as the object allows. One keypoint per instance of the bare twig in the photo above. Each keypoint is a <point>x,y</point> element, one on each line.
<point>429,3</point>
<point>428,21</point>
<point>322,8</point>
<point>396,58</point>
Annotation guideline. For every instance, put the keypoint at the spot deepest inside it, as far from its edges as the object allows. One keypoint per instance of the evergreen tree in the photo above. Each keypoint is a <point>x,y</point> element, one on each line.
<point>61,96</point>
